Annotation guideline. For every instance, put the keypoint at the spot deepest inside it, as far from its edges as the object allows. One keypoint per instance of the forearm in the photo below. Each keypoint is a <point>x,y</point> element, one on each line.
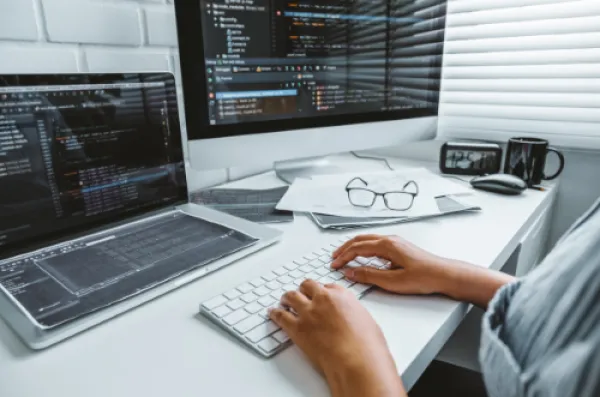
<point>473,284</point>
<point>372,381</point>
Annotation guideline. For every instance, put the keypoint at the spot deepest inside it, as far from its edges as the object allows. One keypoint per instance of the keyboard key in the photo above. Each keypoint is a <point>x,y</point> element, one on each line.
<point>379,263</point>
<point>249,297</point>
<point>277,294</point>
<point>215,302</point>
<point>262,291</point>
<point>358,289</point>
<point>291,266</point>
<point>322,271</point>
<point>269,276</point>
<point>222,311</point>
<point>273,285</point>
<point>306,268</point>
<point>344,283</point>
<point>336,275</point>
<point>262,331</point>
<point>233,294</point>
<point>315,264</point>
<point>266,301</point>
<point>249,324</point>
<point>257,282</point>
<point>301,262</point>
<point>236,304</point>
<point>236,317</point>
<point>253,308</point>
<point>311,257</point>
<point>245,288</point>
<point>264,313</point>
<point>362,261</point>
<point>326,260</point>
<point>285,279</point>
<point>281,336</point>
<point>327,280</point>
<point>280,271</point>
<point>313,276</point>
<point>296,274</point>
<point>268,345</point>
<point>299,281</point>
<point>353,264</point>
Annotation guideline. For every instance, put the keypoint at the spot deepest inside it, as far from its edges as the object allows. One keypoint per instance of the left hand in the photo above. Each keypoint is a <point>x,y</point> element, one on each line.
<point>339,337</point>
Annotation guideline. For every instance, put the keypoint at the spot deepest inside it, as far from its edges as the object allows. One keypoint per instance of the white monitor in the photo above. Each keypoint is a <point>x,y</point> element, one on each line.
<point>274,80</point>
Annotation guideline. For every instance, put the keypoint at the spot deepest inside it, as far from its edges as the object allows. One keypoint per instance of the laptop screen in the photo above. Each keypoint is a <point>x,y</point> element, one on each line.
<point>78,151</point>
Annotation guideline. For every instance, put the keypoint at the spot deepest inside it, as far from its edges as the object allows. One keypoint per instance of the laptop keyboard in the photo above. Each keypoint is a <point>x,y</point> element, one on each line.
<point>66,282</point>
<point>152,245</point>
<point>243,311</point>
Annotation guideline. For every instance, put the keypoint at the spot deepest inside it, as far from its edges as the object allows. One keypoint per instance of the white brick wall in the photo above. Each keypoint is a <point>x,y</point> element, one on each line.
<point>100,35</point>
<point>67,36</point>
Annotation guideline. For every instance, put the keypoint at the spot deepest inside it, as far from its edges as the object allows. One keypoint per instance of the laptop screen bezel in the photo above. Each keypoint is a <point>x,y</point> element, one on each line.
<point>38,242</point>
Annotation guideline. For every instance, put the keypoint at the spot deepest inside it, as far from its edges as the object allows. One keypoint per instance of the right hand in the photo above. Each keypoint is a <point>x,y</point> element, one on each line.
<point>413,271</point>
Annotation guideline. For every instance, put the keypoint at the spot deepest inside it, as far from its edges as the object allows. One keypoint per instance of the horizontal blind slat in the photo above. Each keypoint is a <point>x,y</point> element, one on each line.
<point>523,85</point>
<point>522,67</point>
<point>545,42</point>
<point>525,28</point>
<point>584,115</point>
<point>568,9</point>
<point>482,125</point>
<point>538,57</point>
<point>478,5</point>
<point>555,100</point>
<point>523,71</point>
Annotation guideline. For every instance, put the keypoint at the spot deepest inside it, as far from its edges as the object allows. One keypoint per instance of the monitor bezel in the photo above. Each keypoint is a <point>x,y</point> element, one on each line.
<point>70,233</point>
<point>193,73</point>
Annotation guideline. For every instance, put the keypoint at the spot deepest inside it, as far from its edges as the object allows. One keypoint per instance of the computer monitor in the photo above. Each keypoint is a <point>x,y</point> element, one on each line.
<point>269,80</point>
<point>66,164</point>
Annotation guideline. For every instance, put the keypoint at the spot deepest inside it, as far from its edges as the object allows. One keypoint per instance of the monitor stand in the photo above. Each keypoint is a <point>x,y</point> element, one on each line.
<point>287,171</point>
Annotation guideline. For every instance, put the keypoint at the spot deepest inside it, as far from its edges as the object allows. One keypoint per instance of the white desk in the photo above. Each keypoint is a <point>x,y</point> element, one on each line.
<point>165,349</point>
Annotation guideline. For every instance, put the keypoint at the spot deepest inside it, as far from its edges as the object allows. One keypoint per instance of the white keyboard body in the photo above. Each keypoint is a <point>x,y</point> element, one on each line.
<point>243,311</point>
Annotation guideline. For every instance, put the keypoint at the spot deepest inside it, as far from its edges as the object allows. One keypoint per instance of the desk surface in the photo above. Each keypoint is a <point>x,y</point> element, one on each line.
<point>165,349</point>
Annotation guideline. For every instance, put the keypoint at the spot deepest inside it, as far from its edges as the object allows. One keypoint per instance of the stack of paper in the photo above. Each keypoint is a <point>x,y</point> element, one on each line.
<point>326,197</point>
<point>447,205</point>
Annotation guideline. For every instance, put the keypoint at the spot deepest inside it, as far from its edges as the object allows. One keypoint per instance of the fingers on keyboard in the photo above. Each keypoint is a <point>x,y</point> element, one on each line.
<point>245,309</point>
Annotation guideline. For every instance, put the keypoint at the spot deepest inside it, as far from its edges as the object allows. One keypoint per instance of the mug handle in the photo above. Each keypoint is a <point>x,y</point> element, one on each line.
<point>561,158</point>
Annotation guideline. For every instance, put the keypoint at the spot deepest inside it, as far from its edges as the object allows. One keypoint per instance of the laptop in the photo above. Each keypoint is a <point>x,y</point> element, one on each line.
<point>94,212</point>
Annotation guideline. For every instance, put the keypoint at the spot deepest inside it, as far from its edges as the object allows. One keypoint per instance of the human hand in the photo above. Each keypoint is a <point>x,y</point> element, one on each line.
<point>413,270</point>
<point>340,338</point>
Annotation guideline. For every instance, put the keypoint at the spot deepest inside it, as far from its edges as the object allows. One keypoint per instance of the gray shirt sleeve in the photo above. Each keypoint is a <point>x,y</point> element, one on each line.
<point>541,335</point>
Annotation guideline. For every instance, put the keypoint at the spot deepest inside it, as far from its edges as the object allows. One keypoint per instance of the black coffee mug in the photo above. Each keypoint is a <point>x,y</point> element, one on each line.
<point>526,158</point>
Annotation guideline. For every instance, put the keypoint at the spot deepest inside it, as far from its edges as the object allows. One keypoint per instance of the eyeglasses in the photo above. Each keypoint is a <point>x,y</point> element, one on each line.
<point>360,195</point>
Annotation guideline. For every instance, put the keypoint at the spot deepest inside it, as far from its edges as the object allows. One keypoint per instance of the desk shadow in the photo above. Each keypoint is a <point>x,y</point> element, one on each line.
<point>291,363</point>
<point>11,343</point>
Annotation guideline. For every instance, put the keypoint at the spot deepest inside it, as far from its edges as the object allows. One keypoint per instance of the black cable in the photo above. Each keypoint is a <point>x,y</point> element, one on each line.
<point>381,159</point>
<point>455,177</point>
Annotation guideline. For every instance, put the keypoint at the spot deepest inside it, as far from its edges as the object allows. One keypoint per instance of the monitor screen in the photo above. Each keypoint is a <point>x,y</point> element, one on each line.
<point>84,150</point>
<point>271,65</point>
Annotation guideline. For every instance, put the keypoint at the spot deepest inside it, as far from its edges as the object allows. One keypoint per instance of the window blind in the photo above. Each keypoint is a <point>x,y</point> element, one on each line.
<point>522,67</point>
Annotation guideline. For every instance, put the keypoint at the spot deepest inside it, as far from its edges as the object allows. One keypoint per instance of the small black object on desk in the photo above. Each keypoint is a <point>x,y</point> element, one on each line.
<point>500,183</point>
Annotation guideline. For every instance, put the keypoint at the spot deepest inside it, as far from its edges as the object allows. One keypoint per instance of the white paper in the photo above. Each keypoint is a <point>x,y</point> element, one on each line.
<point>429,183</point>
<point>327,194</point>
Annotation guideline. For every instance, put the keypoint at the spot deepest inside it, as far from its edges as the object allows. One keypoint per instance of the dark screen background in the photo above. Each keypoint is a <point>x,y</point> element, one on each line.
<point>73,157</point>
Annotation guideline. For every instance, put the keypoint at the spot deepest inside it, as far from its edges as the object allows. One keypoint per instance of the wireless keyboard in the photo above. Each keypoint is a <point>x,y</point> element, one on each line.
<point>243,311</point>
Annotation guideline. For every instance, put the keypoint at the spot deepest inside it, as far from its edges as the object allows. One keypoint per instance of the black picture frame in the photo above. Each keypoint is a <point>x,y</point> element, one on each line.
<point>470,149</point>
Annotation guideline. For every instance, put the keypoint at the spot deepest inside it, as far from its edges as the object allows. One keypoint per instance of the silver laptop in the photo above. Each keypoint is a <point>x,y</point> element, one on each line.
<point>94,212</point>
